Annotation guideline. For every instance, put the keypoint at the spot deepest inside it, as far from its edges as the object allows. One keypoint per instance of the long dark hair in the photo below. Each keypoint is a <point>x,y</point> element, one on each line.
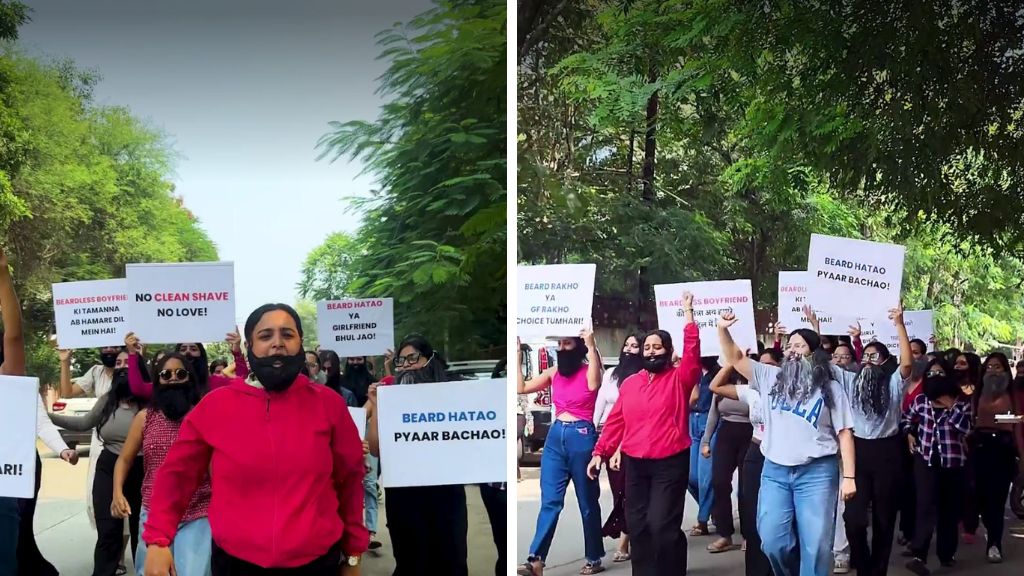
<point>436,369</point>
<point>119,394</point>
<point>666,341</point>
<point>1002,359</point>
<point>201,367</point>
<point>195,389</point>
<point>623,371</point>
<point>332,375</point>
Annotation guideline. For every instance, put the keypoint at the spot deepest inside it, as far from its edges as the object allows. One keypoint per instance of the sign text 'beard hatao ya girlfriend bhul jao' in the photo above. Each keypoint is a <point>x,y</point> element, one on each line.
<point>185,302</point>
<point>363,327</point>
<point>18,413</point>
<point>444,433</point>
<point>710,300</point>
<point>554,300</point>
<point>90,314</point>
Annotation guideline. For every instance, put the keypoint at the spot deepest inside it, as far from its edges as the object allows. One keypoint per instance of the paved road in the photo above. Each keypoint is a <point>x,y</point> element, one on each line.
<point>567,549</point>
<point>66,539</point>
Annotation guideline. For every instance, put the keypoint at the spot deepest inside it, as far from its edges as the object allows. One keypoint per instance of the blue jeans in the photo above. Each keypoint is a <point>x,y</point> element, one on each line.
<point>700,468</point>
<point>370,493</point>
<point>806,496</point>
<point>191,548</point>
<point>567,452</point>
<point>10,518</point>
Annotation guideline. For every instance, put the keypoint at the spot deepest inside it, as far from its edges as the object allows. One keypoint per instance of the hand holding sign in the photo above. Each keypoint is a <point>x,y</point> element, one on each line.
<point>854,330</point>
<point>133,344</point>
<point>780,330</point>
<point>588,338</point>
<point>812,318</point>
<point>64,355</point>
<point>896,314</point>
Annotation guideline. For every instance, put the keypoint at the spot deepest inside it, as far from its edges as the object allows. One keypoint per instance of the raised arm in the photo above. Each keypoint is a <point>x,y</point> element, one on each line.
<point>595,366</point>
<point>689,364</point>
<point>139,387</point>
<point>812,317</point>
<point>858,346</point>
<point>712,425</point>
<point>69,388</point>
<point>10,311</point>
<point>730,352</point>
<point>721,386</point>
<point>906,355</point>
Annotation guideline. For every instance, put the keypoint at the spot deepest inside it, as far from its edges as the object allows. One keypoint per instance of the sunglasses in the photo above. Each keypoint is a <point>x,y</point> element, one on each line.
<point>176,374</point>
<point>934,373</point>
<point>408,359</point>
<point>872,356</point>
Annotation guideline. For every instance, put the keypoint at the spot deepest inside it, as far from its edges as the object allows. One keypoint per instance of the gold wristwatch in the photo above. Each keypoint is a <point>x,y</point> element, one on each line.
<point>352,561</point>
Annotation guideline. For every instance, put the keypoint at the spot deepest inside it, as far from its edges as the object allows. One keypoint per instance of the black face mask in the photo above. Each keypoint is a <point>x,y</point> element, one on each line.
<point>936,387</point>
<point>109,359</point>
<point>276,379</point>
<point>570,361</point>
<point>631,362</point>
<point>174,400</point>
<point>120,383</point>
<point>418,376</point>
<point>656,364</point>
<point>356,369</point>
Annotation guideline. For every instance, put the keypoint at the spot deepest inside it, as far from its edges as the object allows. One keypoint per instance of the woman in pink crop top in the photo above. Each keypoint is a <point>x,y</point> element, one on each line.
<point>574,387</point>
<point>151,435</point>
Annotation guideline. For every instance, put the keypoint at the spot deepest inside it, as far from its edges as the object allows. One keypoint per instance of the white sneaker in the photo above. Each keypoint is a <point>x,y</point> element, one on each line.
<point>994,555</point>
<point>841,566</point>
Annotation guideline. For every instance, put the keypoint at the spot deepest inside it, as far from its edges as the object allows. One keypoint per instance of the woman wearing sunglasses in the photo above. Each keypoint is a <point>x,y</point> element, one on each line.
<point>427,524</point>
<point>285,458</point>
<point>153,432</point>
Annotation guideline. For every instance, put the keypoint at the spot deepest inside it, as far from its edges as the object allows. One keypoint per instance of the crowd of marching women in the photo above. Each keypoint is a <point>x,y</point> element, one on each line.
<point>843,450</point>
<point>249,468</point>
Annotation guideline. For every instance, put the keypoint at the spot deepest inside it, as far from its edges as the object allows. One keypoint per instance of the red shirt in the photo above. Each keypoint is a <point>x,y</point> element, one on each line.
<point>286,469</point>
<point>909,398</point>
<point>651,417</point>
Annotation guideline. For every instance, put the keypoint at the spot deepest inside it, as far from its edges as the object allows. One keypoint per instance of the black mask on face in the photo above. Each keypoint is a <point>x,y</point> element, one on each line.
<point>109,359</point>
<point>356,369</point>
<point>418,376</point>
<point>656,364</point>
<point>174,400</point>
<point>277,379</point>
<point>936,387</point>
<point>120,383</point>
<point>570,361</point>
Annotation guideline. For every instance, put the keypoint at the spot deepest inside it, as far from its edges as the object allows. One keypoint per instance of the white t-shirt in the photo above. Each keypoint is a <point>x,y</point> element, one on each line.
<point>606,398</point>
<point>798,433</point>
<point>871,427</point>
<point>753,400</point>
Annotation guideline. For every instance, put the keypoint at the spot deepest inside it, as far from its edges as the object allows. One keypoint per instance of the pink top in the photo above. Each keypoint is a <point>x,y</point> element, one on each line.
<point>572,395</point>
<point>651,417</point>
<point>158,434</point>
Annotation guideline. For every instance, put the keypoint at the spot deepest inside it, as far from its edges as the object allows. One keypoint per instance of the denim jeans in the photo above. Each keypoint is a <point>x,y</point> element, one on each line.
<point>9,520</point>
<point>796,516</point>
<point>567,452</point>
<point>191,548</point>
<point>700,468</point>
<point>370,493</point>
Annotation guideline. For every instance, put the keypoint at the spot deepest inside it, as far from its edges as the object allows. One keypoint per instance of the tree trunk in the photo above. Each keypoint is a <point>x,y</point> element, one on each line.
<point>629,161</point>
<point>644,290</point>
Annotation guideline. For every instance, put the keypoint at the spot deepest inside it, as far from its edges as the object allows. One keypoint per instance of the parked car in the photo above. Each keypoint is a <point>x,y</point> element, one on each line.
<point>473,369</point>
<point>74,407</point>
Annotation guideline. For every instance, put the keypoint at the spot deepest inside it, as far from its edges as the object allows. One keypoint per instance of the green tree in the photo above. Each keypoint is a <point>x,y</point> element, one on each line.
<point>433,235</point>
<point>326,273</point>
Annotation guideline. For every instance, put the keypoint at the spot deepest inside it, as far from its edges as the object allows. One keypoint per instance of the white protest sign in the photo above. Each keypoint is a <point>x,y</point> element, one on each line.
<point>555,300</point>
<point>359,417</point>
<point>920,324</point>
<point>18,413</point>
<point>187,302</point>
<point>710,299</point>
<point>792,299</point>
<point>90,314</point>
<point>846,273</point>
<point>356,327</point>
<point>446,433</point>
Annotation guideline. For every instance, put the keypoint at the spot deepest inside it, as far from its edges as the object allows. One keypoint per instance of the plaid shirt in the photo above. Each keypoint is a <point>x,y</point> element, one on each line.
<point>945,432</point>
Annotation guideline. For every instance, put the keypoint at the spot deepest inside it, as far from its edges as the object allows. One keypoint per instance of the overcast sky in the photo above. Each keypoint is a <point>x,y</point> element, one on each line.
<point>245,88</point>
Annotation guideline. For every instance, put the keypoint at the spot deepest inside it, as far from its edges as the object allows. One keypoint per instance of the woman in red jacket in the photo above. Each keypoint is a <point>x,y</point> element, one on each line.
<point>285,461</point>
<point>649,425</point>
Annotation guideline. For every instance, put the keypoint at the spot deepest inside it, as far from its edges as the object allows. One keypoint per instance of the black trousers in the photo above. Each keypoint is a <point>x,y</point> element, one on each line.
<point>878,476</point>
<point>995,467</point>
<point>494,502</point>
<point>729,451</point>
<point>940,497</point>
<point>907,498</point>
<point>30,559</point>
<point>223,564</point>
<point>109,530</point>
<point>654,512</point>
<point>428,527</point>
<point>757,563</point>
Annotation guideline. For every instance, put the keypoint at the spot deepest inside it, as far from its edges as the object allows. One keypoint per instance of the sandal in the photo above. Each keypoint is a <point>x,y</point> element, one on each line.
<point>699,530</point>
<point>527,569</point>
<point>591,568</point>
<point>121,571</point>
<point>722,545</point>
<point>621,557</point>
